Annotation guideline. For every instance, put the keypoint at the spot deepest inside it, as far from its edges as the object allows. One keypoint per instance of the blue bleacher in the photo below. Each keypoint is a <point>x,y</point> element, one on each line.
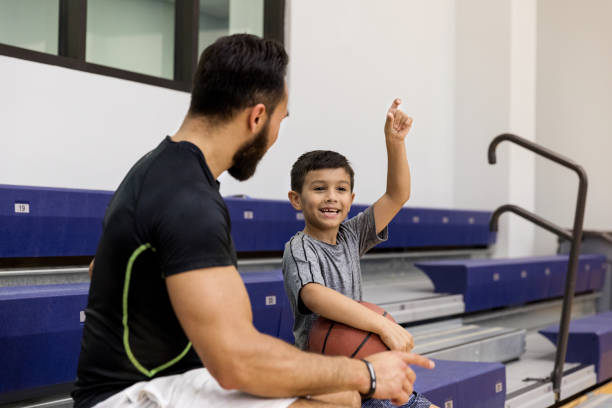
<point>590,342</point>
<point>47,222</point>
<point>41,328</point>
<point>40,335</point>
<point>452,384</point>
<point>490,283</point>
<point>64,222</point>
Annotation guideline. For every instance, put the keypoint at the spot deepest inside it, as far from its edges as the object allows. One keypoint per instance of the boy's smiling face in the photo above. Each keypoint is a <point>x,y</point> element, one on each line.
<point>325,200</point>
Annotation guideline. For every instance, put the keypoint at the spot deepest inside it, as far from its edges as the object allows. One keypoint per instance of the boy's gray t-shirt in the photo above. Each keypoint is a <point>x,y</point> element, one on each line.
<point>307,260</point>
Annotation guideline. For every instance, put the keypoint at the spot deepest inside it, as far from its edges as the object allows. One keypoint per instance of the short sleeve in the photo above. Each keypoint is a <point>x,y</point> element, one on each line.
<point>193,233</point>
<point>363,226</point>
<point>300,267</point>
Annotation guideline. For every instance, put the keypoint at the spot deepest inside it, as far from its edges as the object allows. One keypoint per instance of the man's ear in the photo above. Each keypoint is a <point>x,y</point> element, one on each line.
<point>294,199</point>
<point>257,117</point>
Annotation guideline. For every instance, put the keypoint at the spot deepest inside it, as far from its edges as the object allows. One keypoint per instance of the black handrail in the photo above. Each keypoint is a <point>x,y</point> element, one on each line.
<point>575,236</point>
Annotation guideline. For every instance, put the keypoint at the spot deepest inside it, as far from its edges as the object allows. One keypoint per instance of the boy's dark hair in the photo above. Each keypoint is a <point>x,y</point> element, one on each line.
<point>236,72</point>
<point>316,160</point>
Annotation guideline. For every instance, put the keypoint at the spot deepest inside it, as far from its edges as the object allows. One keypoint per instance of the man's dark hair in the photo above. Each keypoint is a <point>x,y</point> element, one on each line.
<point>236,72</point>
<point>317,160</point>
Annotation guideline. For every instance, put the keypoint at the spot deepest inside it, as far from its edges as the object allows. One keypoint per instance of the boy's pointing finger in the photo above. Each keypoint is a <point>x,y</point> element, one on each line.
<point>395,104</point>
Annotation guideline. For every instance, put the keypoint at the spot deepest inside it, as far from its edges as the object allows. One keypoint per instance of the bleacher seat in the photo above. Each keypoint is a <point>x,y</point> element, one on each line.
<point>463,384</point>
<point>590,342</point>
<point>271,309</point>
<point>40,334</point>
<point>57,222</point>
<point>41,327</point>
<point>266,225</point>
<point>490,283</point>
<point>50,222</point>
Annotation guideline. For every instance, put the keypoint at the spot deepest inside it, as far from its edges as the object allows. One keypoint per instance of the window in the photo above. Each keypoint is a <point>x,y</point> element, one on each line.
<point>30,24</point>
<point>135,35</point>
<point>151,41</point>
<point>223,17</point>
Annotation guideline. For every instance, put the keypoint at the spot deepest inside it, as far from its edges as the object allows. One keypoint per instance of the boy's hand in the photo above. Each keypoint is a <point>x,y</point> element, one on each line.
<point>395,336</point>
<point>398,124</point>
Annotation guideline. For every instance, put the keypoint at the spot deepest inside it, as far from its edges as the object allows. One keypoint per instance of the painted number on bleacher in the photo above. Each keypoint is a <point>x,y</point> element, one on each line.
<point>248,215</point>
<point>523,274</point>
<point>22,208</point>
<point>82,316</point>
<point>498,387</point>
<point>299,216</point>
<point>496,276</point>
<point>270,300</point>
<point>448,404</point>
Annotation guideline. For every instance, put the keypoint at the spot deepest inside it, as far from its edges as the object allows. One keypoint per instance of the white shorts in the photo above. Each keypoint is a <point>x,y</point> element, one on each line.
<point>194,388</point>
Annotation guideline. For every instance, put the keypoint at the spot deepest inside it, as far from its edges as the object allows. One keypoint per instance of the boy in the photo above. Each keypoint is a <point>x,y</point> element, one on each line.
<point>321,264</point>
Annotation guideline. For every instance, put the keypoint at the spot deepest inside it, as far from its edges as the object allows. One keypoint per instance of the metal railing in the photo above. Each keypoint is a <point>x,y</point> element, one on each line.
<point>575,236</point>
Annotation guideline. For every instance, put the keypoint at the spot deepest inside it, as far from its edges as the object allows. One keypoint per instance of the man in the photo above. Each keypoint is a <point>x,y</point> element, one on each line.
<point>165,295</point>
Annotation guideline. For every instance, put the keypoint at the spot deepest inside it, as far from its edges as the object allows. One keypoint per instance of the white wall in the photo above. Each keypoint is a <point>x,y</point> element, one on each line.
<point>574,110</point>
<point>349,59</point>
<point>482,93</point>
<point>75,129</point>
<point>66,128</point>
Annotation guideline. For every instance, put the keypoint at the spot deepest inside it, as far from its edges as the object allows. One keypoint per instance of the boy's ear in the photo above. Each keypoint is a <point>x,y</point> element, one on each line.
<point>352,198</point>
<point>294,199</point>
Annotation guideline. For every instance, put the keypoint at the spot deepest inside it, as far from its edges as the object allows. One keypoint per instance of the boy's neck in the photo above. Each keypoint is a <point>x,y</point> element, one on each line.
<point>328,235</point>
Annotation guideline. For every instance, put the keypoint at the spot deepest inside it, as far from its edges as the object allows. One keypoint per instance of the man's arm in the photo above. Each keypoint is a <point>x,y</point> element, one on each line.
<point>213,308</point>
<point>397,126</point>
<point>337,307</point>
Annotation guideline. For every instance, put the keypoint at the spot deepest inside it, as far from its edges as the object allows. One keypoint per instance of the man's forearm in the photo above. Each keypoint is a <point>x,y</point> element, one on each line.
<point>269,367</point>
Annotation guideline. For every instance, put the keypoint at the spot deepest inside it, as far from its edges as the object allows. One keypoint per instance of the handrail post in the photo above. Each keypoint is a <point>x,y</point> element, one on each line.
<point>575,237</point>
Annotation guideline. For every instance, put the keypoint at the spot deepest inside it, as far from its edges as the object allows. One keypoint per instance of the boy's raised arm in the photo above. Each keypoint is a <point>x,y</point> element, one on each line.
<point>397,126</point>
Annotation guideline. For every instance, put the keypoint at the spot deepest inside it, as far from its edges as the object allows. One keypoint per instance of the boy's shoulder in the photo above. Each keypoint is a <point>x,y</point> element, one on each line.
<point>294,243</point>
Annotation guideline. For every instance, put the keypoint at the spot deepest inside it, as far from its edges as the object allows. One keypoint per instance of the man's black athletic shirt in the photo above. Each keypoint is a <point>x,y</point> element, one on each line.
<point>166,217</point>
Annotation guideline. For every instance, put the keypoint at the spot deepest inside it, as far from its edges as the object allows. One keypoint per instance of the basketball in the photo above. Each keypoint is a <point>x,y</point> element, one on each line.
<point>333,338</point>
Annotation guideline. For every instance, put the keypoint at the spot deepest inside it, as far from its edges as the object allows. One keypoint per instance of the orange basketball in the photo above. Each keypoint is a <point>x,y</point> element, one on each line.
<point>333,338</point>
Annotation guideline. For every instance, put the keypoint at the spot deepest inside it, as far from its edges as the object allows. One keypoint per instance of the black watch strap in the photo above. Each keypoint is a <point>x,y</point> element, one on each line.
<point>372,389</point>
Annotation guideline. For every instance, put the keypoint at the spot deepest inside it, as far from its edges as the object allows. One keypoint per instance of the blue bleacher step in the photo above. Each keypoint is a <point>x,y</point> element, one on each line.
<point>590,342</point>
<point>491,283</point>
<point>463,384</point>
<point>40,334</point>
<point>41,328</point>
<point>47,222</point>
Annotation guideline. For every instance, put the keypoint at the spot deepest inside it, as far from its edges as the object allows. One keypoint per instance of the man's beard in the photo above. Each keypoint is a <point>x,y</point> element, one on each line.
<point>248,156</point>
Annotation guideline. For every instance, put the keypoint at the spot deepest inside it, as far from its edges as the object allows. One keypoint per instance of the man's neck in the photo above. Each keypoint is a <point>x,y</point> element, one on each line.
<point>218,142</point>
<point>327,235</point>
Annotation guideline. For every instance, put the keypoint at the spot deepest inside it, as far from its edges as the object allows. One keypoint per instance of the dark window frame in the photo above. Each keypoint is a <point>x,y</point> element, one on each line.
<point>73,32</point>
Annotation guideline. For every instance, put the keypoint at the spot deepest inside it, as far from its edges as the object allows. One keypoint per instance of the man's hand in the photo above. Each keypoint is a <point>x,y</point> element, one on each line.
<point>395,336</point>
<point>398,124</point>
<point>394,377</point>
